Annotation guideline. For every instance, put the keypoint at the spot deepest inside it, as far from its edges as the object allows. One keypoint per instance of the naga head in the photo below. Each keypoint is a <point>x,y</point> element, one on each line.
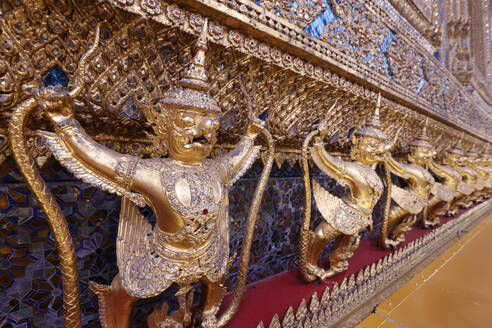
<point>421,150</point>
<point>189,118</point>
<point>369,143</point>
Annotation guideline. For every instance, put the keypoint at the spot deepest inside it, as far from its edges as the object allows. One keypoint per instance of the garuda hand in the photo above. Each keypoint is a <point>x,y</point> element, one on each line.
<point>255,126</point>
<point>55,101</point>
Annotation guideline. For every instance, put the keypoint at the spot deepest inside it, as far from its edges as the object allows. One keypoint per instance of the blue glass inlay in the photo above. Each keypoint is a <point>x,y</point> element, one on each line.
<point>386,42</point>
<point>317,26</point>
<point>350,132</point>
<point>437,55</point>
<point>277,12</point>
<point>421,84</point>
<point>384,46</point>
<point>263,116</point>
<point>423,80</point>
<point>444,86</point>
<point>55,76</point>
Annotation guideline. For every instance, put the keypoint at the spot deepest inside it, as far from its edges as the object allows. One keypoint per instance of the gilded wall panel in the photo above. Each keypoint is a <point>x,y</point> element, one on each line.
<point>286,61</point>
<point>138,60</point>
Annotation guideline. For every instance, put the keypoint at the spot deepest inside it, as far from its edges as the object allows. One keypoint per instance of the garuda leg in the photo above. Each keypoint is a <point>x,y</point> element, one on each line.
<point>115,305</point>
<point>212,294</point>
<point>323,234</point>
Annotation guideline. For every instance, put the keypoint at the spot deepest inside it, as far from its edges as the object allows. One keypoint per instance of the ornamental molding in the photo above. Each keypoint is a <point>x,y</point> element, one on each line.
<point>423,15</point>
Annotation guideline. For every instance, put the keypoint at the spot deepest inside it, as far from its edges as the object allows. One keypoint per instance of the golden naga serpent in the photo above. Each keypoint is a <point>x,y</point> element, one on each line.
<point>387,201</point>
<point>305,231</point>
<point>56,220</point>
<point>238,292</point>
<point>242,274</point>
<point>387,204</point>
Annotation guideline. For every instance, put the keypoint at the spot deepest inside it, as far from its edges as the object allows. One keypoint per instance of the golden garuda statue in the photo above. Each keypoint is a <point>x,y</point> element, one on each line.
<point>484,161</point>
<point>421,153</point>
<point>455,158</point>
<point>187,191</point>
<point>451,178</point>
<point>483,182</point>
<point>343,217</point>
<point>409,201</point>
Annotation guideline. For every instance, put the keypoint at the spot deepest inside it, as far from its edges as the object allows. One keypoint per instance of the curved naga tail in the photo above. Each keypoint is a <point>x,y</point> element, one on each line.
<point>305,232</point>
<point>387,205</point>
<point>57,222</point>
<point>250,227</point>
<point>82,68</point>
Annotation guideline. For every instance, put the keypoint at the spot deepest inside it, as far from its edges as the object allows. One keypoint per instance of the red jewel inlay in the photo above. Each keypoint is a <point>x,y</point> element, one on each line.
<point>205,211</point>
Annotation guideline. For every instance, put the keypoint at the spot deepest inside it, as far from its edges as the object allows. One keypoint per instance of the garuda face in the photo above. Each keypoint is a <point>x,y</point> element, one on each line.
<point>367,150</point>
<point>420,155</point>
<point>191,135</point>
<point>452,158</point>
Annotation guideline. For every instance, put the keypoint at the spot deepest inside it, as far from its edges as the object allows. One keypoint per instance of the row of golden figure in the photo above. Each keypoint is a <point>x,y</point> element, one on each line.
<point>188,193</point>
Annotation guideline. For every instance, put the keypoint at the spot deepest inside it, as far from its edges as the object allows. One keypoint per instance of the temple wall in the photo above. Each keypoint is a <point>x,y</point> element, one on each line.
<point>294,71</point>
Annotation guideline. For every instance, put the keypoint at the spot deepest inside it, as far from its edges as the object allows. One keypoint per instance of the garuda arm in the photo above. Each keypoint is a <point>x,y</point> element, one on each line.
<point>346,173</point>
<point>241,157</point>
<point>81,155</point>
<point>450,176</point>
<point>331,166</point>
<point>398,169</point>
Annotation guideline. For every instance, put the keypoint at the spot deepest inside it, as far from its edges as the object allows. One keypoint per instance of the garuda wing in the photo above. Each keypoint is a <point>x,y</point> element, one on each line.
<point>443,191</point>
<point>465,188</point>
<point>81,171</point>
<point>407,200</point>
<point>337,213</point>
<point>132,229</point>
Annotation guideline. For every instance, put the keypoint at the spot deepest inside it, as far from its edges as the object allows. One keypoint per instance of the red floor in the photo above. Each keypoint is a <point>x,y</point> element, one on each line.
<point>275,294</point>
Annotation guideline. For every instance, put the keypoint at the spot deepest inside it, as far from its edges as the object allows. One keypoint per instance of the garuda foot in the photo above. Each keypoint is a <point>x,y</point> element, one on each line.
<point>320,273</point>
<point>432,223</point>
<point>436,222</point>
<point>427,224</point>
<point>209,319</point>
<point>451,212</point>
<point>309,276</point>
<point>389,243</point>
<point>103,293</point>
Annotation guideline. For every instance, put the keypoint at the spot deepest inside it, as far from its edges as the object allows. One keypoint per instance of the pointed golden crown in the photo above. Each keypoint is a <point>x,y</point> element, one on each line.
<point>472,152</point>
<point>193,90</point>
<point>373,127</point>
<point>422,140</point>
<point>457,148</point>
